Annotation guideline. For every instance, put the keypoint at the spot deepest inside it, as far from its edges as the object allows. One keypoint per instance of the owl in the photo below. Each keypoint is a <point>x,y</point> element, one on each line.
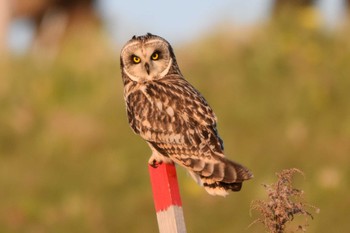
<point>173,117</point>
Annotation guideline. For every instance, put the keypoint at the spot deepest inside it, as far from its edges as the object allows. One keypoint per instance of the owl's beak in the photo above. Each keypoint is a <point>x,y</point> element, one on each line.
<point>147,68</point>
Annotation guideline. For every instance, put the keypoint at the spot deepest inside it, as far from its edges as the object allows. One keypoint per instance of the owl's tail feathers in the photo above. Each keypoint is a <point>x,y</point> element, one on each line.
<point>220,175</point>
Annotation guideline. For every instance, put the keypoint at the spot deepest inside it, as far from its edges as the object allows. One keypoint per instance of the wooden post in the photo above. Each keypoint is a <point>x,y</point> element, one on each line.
<point>167,198</point>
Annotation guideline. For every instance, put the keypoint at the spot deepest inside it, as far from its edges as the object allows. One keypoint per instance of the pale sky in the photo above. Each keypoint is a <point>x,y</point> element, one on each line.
<point>181,20</point>
<point>178,21</point>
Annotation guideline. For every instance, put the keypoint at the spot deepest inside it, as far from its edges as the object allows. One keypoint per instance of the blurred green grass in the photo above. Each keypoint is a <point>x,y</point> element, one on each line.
<point>70,163</point>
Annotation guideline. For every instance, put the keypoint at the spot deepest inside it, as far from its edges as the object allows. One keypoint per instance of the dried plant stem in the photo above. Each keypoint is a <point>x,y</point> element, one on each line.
<point>283,203</point>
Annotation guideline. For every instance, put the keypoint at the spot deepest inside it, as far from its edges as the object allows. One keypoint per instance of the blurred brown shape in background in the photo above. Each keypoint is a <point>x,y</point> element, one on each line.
<point>303,12</point>
<point>281,5</point>
<point>54,21</point>
<point>4,22</point>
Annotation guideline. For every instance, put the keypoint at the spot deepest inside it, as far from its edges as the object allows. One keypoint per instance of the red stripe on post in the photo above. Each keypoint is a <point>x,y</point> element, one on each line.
<point>164,185</point>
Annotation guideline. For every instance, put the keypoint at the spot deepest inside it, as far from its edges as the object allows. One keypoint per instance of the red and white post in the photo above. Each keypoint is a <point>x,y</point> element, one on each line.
<point>167,198</point>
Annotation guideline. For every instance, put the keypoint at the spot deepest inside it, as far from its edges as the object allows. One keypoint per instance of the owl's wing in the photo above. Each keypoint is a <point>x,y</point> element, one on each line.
<point>174,117</point>
<point>176,121</point>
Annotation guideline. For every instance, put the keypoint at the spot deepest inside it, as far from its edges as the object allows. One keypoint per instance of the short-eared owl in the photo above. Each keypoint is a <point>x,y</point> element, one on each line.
<point>173,117</point>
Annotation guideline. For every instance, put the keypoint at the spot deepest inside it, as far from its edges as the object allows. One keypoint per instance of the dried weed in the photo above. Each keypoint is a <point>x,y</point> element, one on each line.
<point>283,203</point>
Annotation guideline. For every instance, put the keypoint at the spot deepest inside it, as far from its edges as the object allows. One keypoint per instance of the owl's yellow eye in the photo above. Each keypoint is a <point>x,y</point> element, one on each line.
<point>155,56</point>
<point>136,59</point>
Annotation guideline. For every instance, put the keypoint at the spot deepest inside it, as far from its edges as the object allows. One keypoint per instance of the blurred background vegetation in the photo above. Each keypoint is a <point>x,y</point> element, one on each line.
<point>70,163</point>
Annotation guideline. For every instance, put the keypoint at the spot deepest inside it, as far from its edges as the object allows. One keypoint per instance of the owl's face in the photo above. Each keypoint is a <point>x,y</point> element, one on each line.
<point>146,58</point>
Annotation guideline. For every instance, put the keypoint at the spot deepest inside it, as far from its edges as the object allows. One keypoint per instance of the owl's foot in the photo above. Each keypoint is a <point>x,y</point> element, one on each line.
<point>155,160</point>
<point>155,163</point>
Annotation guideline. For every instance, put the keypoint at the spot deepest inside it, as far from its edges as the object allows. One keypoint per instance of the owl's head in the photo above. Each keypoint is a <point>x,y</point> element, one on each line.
<point>147,57</point>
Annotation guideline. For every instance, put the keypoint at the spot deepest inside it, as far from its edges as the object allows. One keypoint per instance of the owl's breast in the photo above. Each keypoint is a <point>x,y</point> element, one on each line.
<point>153,114</point>
<point>174,114</point>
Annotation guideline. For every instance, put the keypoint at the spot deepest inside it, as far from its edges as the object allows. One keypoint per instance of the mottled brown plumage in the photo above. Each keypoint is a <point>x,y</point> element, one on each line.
<point>173,117</point>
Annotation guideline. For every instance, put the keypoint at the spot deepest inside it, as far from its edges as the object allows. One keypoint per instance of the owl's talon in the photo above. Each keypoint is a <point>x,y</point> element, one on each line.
<point>154,163</point>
